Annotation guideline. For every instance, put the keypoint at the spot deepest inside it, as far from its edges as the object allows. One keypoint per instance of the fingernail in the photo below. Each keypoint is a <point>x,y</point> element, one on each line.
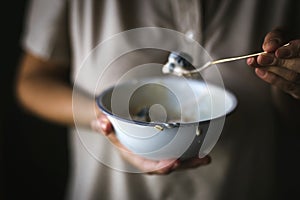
<point>273,42</point>
<point>103,127</point>
<point>260,73</point>
<point>250,61</point>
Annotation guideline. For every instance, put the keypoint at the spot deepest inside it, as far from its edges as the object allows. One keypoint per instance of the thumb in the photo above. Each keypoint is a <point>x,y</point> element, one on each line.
<point>102,124</point>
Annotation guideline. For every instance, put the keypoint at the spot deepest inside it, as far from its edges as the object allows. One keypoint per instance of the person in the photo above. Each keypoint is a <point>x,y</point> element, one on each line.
<point>59,34</point>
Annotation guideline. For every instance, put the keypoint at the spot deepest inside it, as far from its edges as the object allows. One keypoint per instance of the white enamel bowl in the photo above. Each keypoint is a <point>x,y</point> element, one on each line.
<point>180,113</point>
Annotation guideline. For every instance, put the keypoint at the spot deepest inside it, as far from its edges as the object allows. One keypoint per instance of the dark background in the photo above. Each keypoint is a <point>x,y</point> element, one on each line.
<point>34,156</point>
<point>34,153</point>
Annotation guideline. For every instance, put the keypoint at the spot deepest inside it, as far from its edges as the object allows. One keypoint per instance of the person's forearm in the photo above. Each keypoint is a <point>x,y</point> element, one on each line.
<point>49,97</point>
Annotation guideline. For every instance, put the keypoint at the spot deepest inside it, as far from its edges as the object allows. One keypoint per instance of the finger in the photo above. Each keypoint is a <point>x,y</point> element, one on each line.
<point>106,125</point>
<point>194,162</point>
<point>284,73</point>
<point>115,141</point>
<point>102,125</point>
<point>290,51</point>
<point>252,62</point>
<point>150,166</point>
<point>162,167</point>
<point>269,59</point>
<point>274,40</point>
<point>287,86</point>
<point>187,164</point>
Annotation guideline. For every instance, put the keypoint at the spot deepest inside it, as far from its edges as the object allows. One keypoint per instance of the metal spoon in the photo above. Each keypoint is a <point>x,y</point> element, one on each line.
<point>180,64</point>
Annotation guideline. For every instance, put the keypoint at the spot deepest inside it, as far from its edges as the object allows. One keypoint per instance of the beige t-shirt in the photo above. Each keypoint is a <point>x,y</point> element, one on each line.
<point>243,158</point>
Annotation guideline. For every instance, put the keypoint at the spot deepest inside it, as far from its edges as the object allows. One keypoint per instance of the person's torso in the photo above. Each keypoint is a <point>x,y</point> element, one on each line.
<point>242,158</point>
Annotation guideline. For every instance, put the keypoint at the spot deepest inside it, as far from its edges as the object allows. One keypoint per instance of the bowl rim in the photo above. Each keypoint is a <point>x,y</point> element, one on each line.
<point>102,108</point>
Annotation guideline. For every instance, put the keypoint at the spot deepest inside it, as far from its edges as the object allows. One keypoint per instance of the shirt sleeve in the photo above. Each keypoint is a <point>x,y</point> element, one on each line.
<point>45,31</point>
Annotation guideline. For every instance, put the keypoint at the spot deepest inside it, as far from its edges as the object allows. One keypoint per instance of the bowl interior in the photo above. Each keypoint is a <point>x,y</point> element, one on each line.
<point>166,100</point>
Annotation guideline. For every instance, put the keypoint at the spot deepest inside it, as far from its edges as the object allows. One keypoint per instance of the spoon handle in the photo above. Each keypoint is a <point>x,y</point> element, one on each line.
<point>236,58</point>
<point>223,60</point>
